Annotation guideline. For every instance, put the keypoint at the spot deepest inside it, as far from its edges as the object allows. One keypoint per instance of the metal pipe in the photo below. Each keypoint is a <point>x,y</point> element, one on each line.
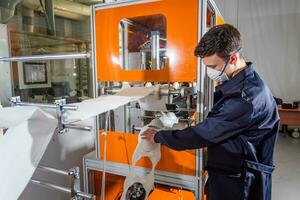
<point>156,117</point>
<point>67,107</point>
<point>38,105</point>
<point>67,9</point>
<point>106,128</point>
<point>50,186</point>
<point>86,196</point>
<point>50,169</point>
<point>78,127</point>
<point>112,90</point>
<point>143,60</point>
<point>124,47</point>
<point>93,69</point>
<point>28,19</point>
<point>49,9</point>
<point>162,91</point>
<point>155,50</point>
<point>201,91</point>
<point>45,57</point>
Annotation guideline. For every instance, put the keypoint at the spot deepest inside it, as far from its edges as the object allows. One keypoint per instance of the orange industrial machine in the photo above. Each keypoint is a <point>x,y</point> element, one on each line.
<point>142,41</point>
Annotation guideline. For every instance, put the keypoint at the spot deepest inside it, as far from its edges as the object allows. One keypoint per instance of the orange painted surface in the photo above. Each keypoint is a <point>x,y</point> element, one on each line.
<point>220,20</point>
<point>113,183</point>
<point>167,193</point>
<point>120,147</point>
<point>114,189</point>
<point>181,28</point>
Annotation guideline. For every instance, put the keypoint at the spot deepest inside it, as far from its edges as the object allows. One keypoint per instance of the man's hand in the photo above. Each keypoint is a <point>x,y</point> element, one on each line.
<point>149,134</point>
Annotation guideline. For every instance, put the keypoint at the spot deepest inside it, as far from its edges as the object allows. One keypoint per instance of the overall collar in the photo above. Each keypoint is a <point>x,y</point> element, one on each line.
<point>235,84</point>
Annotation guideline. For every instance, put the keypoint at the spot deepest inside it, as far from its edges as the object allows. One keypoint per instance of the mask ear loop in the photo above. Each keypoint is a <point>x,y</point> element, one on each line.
<point>228,59</point>
<point>226,63</point>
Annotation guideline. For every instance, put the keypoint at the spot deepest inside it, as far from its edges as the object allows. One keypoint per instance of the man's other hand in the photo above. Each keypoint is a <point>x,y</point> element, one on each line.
<point>149,134</point>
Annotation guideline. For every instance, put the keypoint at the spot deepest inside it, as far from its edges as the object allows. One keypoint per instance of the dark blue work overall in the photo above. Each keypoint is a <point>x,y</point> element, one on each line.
<point>240,133</point>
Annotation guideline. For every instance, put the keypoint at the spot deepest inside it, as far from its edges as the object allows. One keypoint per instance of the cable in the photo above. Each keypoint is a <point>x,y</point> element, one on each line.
<point>104,166</point>
<point>107,123</point>
<point>46,16</point>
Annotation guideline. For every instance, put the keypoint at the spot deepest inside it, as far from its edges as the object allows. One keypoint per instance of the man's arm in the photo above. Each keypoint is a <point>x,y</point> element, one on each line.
<point>230,120</point>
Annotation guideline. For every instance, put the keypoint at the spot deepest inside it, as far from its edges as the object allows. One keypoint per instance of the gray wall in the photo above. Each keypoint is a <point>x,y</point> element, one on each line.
<point>270,31</point>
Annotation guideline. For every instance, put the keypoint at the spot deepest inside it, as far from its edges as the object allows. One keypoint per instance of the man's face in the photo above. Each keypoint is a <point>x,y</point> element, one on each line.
<point>214,62</point>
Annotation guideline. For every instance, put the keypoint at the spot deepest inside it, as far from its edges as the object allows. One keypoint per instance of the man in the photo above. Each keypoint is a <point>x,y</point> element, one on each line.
<point>241,129</point>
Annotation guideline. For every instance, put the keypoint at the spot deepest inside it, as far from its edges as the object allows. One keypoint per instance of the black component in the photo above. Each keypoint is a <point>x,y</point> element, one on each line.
<point>290,106</point>
<point>136,192</point>
<point>295,104</point>
<point>171,107</point>
<point>278,101</point>
<point>287,105</point>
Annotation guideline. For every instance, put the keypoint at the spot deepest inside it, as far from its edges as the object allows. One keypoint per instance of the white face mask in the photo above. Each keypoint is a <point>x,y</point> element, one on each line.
<point>217,75</point>
<point>220,76</point>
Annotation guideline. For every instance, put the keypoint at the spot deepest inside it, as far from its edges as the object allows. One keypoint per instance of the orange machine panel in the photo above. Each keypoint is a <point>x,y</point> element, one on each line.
<point>120,148</point>
<point>220,20</point>
<point>114,189</point>
<point>181,34</point>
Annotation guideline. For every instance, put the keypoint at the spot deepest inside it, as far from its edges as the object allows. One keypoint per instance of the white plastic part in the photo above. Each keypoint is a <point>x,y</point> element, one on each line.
<point>169,119</point>
<point>144,149</point>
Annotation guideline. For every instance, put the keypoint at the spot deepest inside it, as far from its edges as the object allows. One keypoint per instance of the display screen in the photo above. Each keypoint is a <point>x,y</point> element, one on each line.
<point>34,73</point>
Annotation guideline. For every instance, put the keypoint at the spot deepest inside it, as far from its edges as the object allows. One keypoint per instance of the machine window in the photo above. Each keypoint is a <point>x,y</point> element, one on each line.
<point>143,42</point>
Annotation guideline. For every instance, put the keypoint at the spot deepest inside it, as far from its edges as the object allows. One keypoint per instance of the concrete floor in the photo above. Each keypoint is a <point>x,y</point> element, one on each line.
<point>286,177</point>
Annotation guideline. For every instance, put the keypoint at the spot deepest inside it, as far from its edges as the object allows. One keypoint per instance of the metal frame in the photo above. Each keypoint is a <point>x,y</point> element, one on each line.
<point>94,76</point>
<point>120,3</point>
<point>194,183</point>
<point>161,177</point>
<point>202,91</point>
<point>60,107</point>
<point>215,7</point>
<point>74,174</point>
<point>63,126</point>
<point>45,57</point>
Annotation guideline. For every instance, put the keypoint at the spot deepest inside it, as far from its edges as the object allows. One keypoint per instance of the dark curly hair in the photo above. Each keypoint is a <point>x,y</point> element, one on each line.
<point>220,40</point>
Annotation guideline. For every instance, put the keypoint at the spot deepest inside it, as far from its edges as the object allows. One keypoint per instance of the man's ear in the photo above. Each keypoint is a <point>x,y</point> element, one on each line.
<point>233,59</point>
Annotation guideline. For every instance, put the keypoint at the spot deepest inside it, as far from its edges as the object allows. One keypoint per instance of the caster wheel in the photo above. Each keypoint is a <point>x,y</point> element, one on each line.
<point>295,134</point>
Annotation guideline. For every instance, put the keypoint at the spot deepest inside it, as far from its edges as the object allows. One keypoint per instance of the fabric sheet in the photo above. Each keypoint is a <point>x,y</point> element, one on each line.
<point>30,130</point>
<point>22,146</point>
<point>139,187</point>
<point>146,182</point>
<point>93,107</point>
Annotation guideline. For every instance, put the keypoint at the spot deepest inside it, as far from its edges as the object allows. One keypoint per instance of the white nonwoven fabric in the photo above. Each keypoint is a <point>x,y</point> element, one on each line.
<point>12,116</point>
<point>144,149</point>
<point>30,130</point>
<point>151,150</point>
<point>169,119</point>
<point>22,147</point>
<point>152,103</point>
<point>104,103</point>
